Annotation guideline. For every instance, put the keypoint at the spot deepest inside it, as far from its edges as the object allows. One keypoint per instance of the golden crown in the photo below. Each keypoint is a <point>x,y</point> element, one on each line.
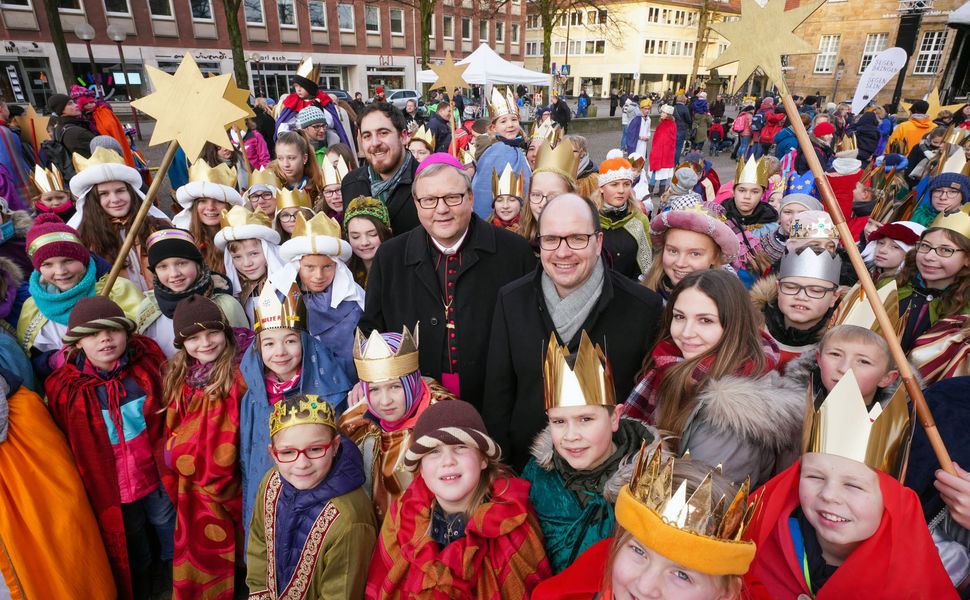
<point>424,134</point>
<point>264,176</point>
<point>48,180</point>
<point>306,69</point>
<point>956,135</point>
<point>312,411</point>
<point>222,174</point>
<point>846,144</point>
<point>287,198</point>
<point>334,174</point>
<point>100,156</point>
<point>957,221</point>
<point>548,130</point>
<point>854,309</point>
<point>556,160</point>
<point>465,157</point>
<point>238,216</point>
<point>271,313</point>
<point>377,362</point>
<point>702,532</point>
<point>753,172</point>
<point>589,382</point>
<point>320,224</point>
<point>842,425</point>
<point>955,163</point>
<point>509,183</point>
<point>499,105</point>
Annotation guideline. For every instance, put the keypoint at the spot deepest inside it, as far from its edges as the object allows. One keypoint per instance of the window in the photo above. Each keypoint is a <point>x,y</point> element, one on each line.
<point>466,29</point>
<point>318,14</point>
<point>594,47</point>
<point>76,5</point>
<point>601,17</point>
<point>653,15</point>
<point>576,18</point>
<point>559,48</point>
<point>287,12</point>
<point>201,10</point>
<point>692,19</point>
<point>116,7</point>
<point>448,27</point>
<point>680,17</point>
<point>372,19</point>
<point>828,48</point>
<point>531,22</point>
<point>514,33</point>
<point>591,17</point>
<point>253,9</point>
<point>688,49</point>
<point>17,3</point>
<point>875,43</point>
<point>160,8</point>
<point>675,48</point>
<point>930,51</point>
<point>534,48</point>
<point>721,48</point>
<point>499,32</point>
<point>397,21</point>
<point>650,47</point>
<point>345,17</point>
<point>483,31</point>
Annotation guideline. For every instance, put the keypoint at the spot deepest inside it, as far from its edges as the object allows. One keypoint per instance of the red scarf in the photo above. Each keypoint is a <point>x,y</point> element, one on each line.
<point>276,389</point>
<point>512,225</point>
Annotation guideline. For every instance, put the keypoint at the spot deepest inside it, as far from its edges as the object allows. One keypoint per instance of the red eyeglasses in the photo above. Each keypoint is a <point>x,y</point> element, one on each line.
<point>288,455</point>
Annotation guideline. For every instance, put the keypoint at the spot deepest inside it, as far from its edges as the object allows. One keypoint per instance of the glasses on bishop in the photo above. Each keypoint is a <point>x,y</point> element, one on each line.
<point>431,202</point>
<point>288,455</point>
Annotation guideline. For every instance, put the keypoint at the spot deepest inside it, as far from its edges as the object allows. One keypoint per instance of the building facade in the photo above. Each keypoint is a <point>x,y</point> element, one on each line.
<point>358,44</point>
<point>641,46</point>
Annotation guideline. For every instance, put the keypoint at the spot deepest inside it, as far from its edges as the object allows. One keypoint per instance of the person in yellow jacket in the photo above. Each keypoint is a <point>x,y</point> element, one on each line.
<point>912,131</point>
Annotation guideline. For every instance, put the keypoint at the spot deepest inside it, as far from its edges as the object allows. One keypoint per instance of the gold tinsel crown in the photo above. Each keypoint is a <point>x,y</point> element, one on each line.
<point>271,313</point>
<point>100,156</point>
<point>854,309</point>
<point>48,180</point>
<point>237,216</point>
<point>846,144</point>
<point>509,183</point>
<point>753,172</point>
<point>556,160</point>
<point>307,70</point>
<point>424,134</point>
<point>222,174</point>
<point>589,382</point>
<point>334,174</point>
<point>957,221</point>
<point>499,105</point>
<point>842,425</point>
<point>320,224</point>
<point>312,411</point>
<point>287,198</point>
<point>264,176</point>
<point>376,361</point>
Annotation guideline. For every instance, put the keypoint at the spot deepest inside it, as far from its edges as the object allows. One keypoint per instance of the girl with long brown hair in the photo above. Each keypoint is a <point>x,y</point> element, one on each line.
<point>710,382</point>
<point>296,164</point>
<point>210,191</point>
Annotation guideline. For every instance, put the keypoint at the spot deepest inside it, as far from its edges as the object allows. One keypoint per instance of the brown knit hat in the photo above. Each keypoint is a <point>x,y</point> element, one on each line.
<point>93,314</point>
<point>197,313</point>
<point>449,423</point>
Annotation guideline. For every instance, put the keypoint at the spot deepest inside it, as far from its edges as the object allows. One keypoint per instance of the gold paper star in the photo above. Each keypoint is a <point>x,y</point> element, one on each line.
<point>239,97</point>
<point>762,36</point>
<point>933,98</point>
<point>33,127</point>
<point>449,74</point>
<point>189,108</point>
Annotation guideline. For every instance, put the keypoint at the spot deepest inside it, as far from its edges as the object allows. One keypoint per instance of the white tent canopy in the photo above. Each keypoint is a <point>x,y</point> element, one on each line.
<point>487,67</point>
<point>960,16</point>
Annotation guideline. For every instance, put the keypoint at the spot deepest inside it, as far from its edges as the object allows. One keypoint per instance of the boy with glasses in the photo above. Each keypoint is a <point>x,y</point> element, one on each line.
<point>944,193</point>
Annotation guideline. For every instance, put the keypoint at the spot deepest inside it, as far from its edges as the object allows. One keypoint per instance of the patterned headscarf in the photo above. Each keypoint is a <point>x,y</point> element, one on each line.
<point>412,384</point>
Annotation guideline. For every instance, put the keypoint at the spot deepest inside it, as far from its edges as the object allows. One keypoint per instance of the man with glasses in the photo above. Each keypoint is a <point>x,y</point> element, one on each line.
<point>446,275</point>
<point>570,291</point>
<point>315,123</point>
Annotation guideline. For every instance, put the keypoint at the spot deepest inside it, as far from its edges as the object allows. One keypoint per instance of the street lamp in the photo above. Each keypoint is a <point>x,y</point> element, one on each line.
<point>118,35</point>
<point>257,58</point>
<point>84,31</point>
<point>838,78</point>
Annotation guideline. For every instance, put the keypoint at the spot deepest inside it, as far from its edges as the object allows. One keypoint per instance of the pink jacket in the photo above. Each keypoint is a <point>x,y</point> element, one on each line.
<point>256,150</point>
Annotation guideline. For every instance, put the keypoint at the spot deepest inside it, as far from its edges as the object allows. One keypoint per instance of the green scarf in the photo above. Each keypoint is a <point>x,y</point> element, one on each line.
<point>636,224</point>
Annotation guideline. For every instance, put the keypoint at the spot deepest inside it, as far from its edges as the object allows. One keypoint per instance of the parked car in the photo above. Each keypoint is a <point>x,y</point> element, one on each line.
<point>399,98</point>
<point>340,94</point>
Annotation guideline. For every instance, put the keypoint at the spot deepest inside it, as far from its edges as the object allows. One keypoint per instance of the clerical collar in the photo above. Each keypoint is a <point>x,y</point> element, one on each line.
<point>452,250</point>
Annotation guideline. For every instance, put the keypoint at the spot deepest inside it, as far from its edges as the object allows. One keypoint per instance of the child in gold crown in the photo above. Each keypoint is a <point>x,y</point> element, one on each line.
<point>314,531</point>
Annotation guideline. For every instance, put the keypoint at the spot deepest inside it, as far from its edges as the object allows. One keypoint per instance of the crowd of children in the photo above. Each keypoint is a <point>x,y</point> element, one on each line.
<point>222,422</point>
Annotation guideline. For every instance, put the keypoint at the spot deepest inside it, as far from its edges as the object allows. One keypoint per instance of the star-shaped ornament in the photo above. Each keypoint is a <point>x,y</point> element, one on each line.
<point>190,108</point>
<point>449,74</point>
<point>933,98</point>
<point>762,36</point>
<point>240,97</point>
<point>33,127</point>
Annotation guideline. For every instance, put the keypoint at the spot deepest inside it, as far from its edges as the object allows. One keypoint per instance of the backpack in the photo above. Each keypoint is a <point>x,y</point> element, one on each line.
<point>58,155</point>
<point>758,121</point>
<point>738,124</point>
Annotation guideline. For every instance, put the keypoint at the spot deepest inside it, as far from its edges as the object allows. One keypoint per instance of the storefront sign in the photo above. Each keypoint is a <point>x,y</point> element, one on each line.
<point>883,67</point>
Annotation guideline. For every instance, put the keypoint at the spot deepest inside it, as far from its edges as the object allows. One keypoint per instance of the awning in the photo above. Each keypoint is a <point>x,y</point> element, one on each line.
<point>960,16</point>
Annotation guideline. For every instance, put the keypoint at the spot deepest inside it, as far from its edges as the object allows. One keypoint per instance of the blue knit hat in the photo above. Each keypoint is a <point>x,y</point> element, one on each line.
<point>310,115</point>
<point>951,180</point>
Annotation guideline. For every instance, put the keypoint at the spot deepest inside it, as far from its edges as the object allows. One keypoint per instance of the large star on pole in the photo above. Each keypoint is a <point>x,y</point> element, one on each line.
<point>190,108</point>
<point>33,127</point>
<point>240,97</point>
<point>762,36</point>
<point>449,74</point>
<point>933,99</point>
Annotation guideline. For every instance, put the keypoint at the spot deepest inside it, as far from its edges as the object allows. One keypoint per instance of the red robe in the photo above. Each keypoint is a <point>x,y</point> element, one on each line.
<point>662,149</point>
<point>581,580</point>
<point>899,561</point>
<point>843,186</point>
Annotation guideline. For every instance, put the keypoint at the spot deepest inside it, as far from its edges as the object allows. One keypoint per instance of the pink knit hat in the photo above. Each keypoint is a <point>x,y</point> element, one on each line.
<point>439,158</point>
<point>50,237</point>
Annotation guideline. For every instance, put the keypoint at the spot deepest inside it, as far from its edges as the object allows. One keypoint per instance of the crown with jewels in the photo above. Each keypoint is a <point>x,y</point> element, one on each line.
<point>334,174</point>
<point>423,134</point>
<point>548,130</point>
<point>702,532</point>
<point>48,180</point>
<point>272,313</point>
<point>752,172</point>
<point>854,309</point>
<point>499,105</point>
<point>556,160</point>
<point>100,156</point>
<point>222,174</point>
<point>957,221</point>
<point>509,183</point>
<point>589,382</point>
<point>264,176</point>
<point>310,411</point>
<point>842,425</point>
<point>297,198</point>
<point>802,227</point>
<point>376,361</point>
<point>810,261</point>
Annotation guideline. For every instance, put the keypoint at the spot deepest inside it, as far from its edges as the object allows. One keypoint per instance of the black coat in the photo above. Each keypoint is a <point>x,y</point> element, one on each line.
<point>403,289</point>
<point>561,114</point>
<point>266,126</point>
<point>441,132</point>
<point>75,134</point>
<point>682,118</point>
<point>625,322</point>
<point>400,205</point>
<point>717,108</point>
<point>866,130</point>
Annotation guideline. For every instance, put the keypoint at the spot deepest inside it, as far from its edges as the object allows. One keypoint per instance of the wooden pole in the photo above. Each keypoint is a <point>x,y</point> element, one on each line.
<point>868,287</point>
<point>140,218</point>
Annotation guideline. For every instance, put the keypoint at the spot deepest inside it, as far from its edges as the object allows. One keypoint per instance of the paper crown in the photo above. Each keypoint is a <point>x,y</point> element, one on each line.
<point>222,174</point>
<point>589,382</point>
<point>955,163</point>
<point>423,134</point>
<point>239,216</point>
<point>556,160</point>
<point>465,157</point>
<point>100,156</point>
<point>899,146</point>
<point>271,313</point>
<point>809,262</point>
<point>854,309</point>
<point>366,205</point>
<point>878,437</point>
<point>801,184</point>
<point>377,362</point>
<point>703,532</point>
<point>802,227</point>
<point>956,135</point>
<point>48,180</point>
<point>846,144</point>
<point>287,198</point>
<point>334,174</point>
<point>499,105</point>
<point>752,172</point>
<point>264,176</point>
<point>548,130</point>
<point>307,70</point>
<point>509,183</point>
<point>312,411</point>
<point>320,224</point>
<point>957,221</point>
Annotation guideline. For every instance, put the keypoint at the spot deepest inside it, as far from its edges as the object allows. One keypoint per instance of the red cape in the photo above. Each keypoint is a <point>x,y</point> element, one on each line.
<point>581,580</point>
<point>899,561</point>
<point>662,149</point>
<point>843,186</point>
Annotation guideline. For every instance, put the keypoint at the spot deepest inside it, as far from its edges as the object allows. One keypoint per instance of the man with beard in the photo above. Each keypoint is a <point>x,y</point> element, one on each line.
<point>389,168</point>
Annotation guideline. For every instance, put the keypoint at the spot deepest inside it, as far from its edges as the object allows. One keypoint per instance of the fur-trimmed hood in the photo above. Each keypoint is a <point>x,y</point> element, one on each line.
<point>799,372</point>
<point>22,222</point>
<point>543,450</point>
<point>763,292</point>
